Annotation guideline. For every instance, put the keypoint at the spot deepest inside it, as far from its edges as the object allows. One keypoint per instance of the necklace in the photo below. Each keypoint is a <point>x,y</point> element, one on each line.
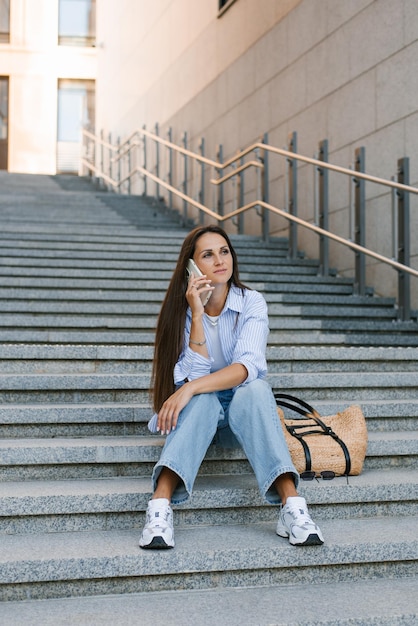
<point>212,319</point>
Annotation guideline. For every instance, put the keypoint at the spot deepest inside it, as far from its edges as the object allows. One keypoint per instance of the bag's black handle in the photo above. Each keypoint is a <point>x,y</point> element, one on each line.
<point>311,413</point>
<point>309,410</point>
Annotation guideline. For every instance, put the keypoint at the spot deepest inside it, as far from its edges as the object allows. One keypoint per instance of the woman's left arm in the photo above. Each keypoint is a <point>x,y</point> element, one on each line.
<point>226,378</point>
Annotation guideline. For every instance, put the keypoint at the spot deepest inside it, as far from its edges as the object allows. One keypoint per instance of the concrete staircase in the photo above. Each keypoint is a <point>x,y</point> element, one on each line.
<point>82,276</point>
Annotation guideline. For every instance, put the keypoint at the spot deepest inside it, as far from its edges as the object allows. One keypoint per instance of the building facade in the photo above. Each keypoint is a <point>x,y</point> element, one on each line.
<point>47,83</point>
<point>232,70</point>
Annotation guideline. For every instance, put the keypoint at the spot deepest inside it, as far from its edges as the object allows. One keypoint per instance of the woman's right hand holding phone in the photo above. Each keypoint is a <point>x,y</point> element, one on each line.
<point>196,288</point>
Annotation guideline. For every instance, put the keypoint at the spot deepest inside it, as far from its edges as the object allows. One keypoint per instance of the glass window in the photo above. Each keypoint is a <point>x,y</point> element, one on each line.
<point>4,21</point>
<point>4,121</point>
<point>76,110</point>
<point>77,22</point>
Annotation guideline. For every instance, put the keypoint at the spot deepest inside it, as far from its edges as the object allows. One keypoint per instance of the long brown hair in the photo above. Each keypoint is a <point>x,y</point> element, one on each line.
<point>172,317</point>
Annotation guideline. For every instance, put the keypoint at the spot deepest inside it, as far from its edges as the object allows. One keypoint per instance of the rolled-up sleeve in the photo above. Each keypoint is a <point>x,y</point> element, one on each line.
<point>191,365</point>
<point>251,342</point>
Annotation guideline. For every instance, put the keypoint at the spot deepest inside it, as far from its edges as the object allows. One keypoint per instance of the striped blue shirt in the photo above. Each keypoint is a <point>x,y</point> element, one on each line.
<point>243,331</point>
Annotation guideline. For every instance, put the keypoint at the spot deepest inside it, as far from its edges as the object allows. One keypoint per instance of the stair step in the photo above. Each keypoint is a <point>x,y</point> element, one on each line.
<point>145,318</point>
<point>379,601</point>
<point>323,355</point>
<point>399,445</point>
<point>380,414</point>
<point>81,310</point>
<point>120,502</point>
<point>284,338</point>
<point>345,385</point>
<point>120,359</point>
<point>233,555</point>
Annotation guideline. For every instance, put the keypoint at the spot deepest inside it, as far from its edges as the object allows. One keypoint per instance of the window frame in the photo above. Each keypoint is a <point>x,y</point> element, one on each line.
<point>5,35</point>
<point>86,40</point>
<point>224,5</point>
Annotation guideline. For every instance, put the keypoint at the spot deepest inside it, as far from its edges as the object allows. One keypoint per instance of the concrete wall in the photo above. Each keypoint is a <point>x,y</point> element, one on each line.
<point>345,71</point>
<point>34,62</point>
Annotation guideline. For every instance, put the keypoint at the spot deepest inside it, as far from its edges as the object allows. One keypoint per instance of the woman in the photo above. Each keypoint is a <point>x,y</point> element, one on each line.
<point>208,386</point>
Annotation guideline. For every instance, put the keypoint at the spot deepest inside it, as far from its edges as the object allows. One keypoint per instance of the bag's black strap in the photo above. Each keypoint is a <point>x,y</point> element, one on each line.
<point>307,409</point>
<point>324,429</point>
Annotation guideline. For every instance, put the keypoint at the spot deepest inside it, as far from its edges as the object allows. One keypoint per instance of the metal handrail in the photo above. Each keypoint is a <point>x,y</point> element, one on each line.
<point>167,144</point>
<point>257,145</point>
<point>320,164</point>
<point>127,145</point>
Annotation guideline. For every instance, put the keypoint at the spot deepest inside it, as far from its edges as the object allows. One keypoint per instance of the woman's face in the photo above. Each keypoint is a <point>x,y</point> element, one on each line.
<point>213,257</point>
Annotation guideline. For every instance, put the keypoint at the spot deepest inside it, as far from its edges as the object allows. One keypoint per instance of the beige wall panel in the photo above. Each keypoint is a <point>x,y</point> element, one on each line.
<point>352,111</point>
<point>33,132</point>
<point>397,86</point>
<point>410,18</point>
<point>339,13</point>
<point>271,54</point>
<point>375,34</point>
<point>307,26</point>
<point>328,66</point>
<point>411,145</point>
<point>288,91</point>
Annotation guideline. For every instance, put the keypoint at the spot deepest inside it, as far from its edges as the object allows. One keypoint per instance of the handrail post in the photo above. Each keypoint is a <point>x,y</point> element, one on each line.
<point>129,166</point>
<point>119,164</point>
<point>240,196</point>
<point>292,199</point>
<point>185,179</point>
<point>220,207</point>
<point>404,279</point>
<point>170,168</point>
<point>157,164</point>
<point>109,159</point>
<point>359,227</point>
<point>202,180</point>
<point>145,160</point>
<point>101,156</point>
<point>265,189</point>
<point>323,208</point>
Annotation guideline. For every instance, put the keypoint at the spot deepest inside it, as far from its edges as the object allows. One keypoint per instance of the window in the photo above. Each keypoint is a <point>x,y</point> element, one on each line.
<point>4,21</point>
<point>4,121</point>
<point>77,23</point>
<point>76,110</point>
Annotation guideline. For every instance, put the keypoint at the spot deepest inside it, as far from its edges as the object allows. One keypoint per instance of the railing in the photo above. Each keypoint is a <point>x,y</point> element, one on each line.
<point>129,166</point>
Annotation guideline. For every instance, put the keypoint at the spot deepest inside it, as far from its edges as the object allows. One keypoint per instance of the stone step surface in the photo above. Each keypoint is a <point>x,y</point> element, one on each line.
<point>83,457</point>
<point>120,502</point>
<point>234,555</point>
<point>73,419</point>
<point>335,604</point>
<point>82,277</point>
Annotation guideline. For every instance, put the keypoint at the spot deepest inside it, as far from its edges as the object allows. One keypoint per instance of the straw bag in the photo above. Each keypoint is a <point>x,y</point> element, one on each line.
<point>336,443</point>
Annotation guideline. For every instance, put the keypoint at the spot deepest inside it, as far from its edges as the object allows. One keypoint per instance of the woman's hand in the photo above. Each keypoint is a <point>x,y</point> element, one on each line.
<point>170,411</point>
<point>195,288</point>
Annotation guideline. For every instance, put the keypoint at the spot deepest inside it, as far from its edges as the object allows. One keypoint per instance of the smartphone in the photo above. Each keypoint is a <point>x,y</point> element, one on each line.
<point>193,269</point>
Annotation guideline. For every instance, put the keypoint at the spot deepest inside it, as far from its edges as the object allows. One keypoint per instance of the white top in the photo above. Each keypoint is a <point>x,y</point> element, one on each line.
<point>212,331</point>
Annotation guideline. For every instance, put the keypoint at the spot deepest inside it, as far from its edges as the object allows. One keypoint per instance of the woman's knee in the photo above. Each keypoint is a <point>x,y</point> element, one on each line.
<point>257,390</point>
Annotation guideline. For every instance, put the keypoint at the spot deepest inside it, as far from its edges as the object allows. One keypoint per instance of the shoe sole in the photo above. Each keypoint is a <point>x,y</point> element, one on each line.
<point>312,540</point>
<point>157,543</point>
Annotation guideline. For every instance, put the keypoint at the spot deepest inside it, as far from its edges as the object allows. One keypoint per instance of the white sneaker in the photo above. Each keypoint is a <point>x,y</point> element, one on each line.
<point>158,533</point>
<point>296,523</point>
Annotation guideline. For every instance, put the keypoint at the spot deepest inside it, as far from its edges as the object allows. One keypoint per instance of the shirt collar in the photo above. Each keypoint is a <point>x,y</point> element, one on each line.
<point>234,300</point>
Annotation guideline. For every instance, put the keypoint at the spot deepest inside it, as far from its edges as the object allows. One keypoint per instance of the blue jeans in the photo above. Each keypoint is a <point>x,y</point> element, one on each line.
<point>246,417</point>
